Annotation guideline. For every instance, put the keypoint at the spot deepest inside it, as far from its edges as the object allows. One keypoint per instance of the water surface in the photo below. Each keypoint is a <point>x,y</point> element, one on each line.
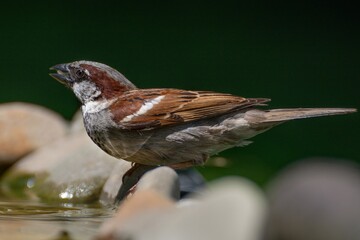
<point>49,221</point>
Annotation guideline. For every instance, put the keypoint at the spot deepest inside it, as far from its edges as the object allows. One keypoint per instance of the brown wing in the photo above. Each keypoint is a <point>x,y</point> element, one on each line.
<point>152,108</point>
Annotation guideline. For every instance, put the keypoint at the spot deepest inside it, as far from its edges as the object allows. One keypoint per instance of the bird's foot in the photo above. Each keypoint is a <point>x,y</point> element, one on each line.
<point>130,179</point>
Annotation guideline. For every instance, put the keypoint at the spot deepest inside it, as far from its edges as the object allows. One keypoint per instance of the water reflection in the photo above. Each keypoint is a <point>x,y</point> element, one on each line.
<point>29,220</point>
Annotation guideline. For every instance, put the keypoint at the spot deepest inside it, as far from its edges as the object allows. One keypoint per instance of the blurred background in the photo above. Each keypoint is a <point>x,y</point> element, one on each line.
<point>299,54</point>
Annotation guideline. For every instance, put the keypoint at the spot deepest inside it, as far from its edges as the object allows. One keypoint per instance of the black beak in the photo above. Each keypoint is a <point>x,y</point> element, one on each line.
<point>62,73</point>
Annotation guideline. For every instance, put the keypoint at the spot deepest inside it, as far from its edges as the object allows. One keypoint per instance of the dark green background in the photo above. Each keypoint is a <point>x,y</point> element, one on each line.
<point>303,54</point>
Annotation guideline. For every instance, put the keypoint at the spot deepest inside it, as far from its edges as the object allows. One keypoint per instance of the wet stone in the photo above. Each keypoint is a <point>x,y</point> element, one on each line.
<point>72,169</point>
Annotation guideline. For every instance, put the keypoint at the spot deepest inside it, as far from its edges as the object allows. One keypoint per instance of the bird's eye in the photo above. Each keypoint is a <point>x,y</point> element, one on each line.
<point>80,73</point>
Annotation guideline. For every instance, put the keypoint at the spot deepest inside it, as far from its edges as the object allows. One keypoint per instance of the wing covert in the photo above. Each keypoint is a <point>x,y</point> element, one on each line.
<point>153,108</point>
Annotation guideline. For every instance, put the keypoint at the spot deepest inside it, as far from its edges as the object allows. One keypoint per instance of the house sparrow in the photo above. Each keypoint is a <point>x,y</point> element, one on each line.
<point>177,128</point>
<point>161,126</point>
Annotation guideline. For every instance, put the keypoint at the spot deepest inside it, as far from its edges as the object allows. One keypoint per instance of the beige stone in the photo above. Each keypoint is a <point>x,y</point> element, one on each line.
<point>25,127</point>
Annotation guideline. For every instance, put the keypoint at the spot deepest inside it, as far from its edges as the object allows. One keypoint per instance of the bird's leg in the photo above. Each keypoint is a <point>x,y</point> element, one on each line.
<point>130,178</point>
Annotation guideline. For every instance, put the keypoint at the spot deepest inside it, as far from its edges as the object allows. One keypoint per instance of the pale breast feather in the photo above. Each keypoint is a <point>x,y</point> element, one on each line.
<point>96,106</point>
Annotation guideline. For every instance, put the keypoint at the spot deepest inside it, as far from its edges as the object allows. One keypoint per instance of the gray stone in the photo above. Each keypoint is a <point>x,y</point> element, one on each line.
<point>191,181</point>
<point>315,200</point>
<point>72,169</point>
<point>25,127</point>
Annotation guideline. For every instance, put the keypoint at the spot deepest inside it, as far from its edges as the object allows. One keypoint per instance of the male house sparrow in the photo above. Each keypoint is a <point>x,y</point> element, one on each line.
<point>173,127</point>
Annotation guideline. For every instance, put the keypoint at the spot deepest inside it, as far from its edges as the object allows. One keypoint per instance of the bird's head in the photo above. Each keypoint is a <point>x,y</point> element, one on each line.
<point>91,81</point>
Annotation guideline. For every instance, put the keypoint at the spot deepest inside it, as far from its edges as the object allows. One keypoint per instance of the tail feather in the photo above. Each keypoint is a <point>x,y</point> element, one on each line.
<point>282,115</point>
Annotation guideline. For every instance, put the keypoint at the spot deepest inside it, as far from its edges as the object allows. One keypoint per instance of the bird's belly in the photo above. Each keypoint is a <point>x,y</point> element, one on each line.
<point>191,142</point>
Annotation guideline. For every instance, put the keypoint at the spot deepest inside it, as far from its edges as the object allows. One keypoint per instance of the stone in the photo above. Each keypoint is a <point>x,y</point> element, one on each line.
<point>72,169</point>
<point>25,127</point>
<point>229,209</point>
<point>114,182</point>
<point>163,180</point>
<point>77,123</point>
<point>315,199</point>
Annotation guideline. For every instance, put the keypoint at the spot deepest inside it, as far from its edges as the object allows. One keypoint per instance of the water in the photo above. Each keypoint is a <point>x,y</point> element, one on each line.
<point>30,220</point>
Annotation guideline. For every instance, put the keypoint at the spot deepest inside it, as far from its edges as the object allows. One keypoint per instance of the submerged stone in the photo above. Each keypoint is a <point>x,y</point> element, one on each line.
<point>72,169</point>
